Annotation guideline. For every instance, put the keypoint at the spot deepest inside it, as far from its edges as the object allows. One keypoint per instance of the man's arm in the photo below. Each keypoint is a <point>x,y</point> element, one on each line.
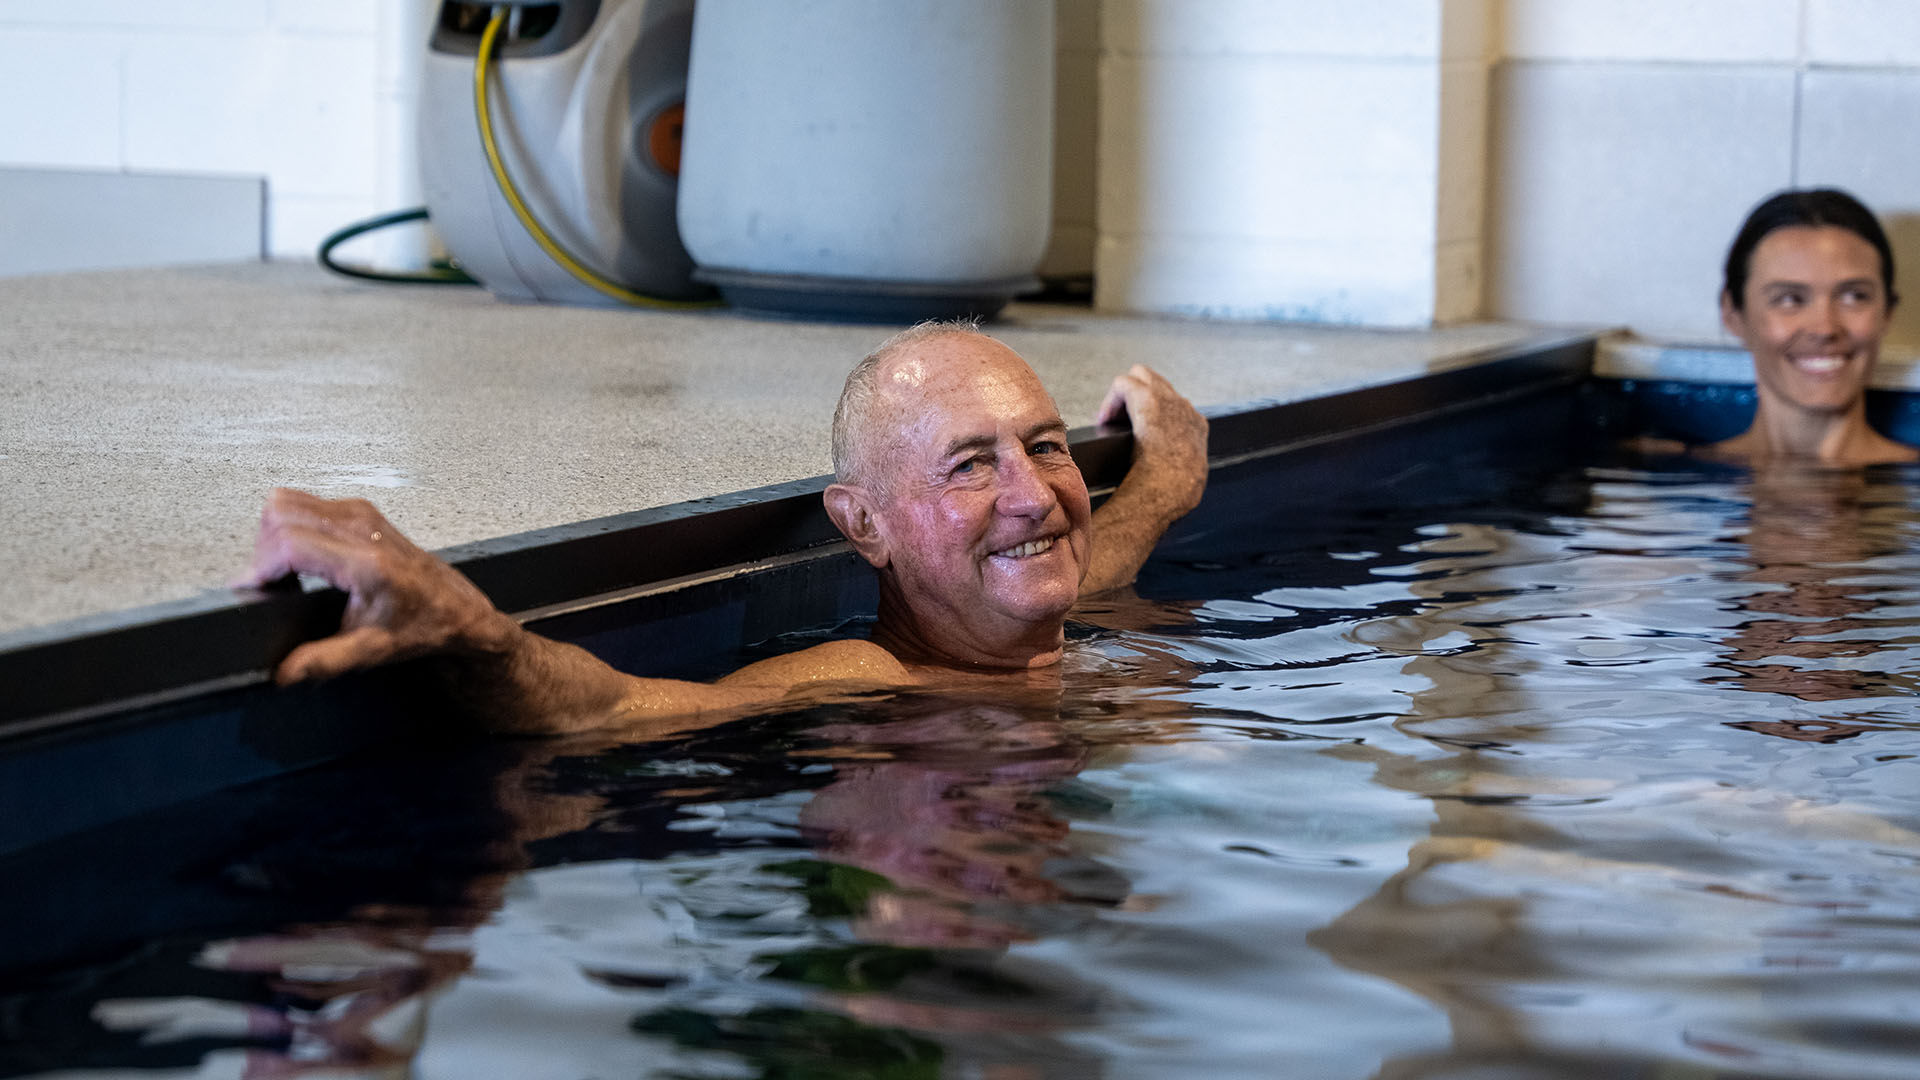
<point>1165,480</point>
<point>403,603</point>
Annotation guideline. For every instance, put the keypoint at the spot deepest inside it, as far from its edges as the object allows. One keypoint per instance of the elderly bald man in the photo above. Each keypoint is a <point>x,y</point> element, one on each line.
<point>953,480</point>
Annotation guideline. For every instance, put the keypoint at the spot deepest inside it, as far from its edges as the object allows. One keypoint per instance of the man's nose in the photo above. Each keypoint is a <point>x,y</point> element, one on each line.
<point>1023,491</point>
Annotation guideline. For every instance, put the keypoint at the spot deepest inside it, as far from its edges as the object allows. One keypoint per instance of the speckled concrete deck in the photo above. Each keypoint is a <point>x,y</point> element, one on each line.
<point>144,414</point>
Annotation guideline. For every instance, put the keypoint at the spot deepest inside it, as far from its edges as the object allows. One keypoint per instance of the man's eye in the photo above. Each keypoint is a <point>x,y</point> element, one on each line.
<point>1046,448</point>
<point>1787,300</point>
<point>966,466</point>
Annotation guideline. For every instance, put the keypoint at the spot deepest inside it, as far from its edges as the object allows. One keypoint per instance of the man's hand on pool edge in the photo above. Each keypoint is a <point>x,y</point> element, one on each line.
<point>402,602</point>
<point>1165,481</point>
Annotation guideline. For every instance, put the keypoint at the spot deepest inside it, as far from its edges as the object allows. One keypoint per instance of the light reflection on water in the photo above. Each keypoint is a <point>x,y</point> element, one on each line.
<point>1617,786</point>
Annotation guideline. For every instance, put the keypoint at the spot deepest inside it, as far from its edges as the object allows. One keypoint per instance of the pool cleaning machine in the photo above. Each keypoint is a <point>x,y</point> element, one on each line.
<point>885,159</point>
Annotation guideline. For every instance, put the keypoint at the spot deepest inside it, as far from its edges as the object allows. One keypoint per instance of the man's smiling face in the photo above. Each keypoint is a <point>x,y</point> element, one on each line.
<point>983,513</point>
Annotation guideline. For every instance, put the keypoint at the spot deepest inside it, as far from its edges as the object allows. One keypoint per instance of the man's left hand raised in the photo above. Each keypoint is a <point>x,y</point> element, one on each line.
<point>1165,481</point>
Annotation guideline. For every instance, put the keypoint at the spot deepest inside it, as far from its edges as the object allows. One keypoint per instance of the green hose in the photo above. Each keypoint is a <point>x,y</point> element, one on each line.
<point>438,274</point>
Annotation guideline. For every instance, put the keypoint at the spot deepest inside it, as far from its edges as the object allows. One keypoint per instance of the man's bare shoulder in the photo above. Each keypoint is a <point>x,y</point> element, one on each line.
<point>848,661</point>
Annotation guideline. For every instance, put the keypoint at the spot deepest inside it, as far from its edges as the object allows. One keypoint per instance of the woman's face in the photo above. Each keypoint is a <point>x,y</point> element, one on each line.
<point>1814,313</point>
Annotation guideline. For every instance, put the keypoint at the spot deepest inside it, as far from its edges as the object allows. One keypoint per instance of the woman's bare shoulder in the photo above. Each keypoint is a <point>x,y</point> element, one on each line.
<point>1885,451</point>
<point>1648,444</point>
<point>1653,446</point>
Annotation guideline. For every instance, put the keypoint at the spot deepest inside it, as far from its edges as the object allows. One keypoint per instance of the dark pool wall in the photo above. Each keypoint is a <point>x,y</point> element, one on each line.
<point>1696,413</point>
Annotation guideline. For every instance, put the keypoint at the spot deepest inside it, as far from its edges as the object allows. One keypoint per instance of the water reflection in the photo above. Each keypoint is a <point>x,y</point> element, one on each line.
<point>1803,525</point>
<point>844,912</point>
<point>1580,912</point>
<point>953,809</point>
<point>1491,790</point>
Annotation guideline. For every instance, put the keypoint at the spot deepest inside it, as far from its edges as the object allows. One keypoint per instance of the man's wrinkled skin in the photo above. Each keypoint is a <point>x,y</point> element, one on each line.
<point>975,514</point>
<point>972,512</point>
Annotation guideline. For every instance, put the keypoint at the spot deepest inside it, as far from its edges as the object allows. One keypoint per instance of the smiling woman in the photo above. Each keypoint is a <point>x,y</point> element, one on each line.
<point>1809,289</point>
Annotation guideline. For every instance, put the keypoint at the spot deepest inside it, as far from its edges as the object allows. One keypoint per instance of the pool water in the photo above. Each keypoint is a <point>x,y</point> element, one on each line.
<point>1609,772</point>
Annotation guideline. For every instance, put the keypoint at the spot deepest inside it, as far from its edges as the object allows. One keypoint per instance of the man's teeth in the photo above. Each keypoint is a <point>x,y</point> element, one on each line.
<point>1021,551</point>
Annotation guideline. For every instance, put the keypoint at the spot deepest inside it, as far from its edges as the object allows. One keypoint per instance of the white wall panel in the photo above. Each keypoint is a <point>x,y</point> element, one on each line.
<point>197,103</point>
<point>1617,187</point>
<point>1725,31</point>
<point>73,81</point>
<point>63,220</point>
<point>317,99</point>
<point>1347,282</point>
<point>1268,148</point>
<point>322,130</point>
<point>354,17</point>
<point>169,15</point>
<point>1285,159</point>
<point>1864,32</point>
<point>1860,130</point>
<point>1374,29</point>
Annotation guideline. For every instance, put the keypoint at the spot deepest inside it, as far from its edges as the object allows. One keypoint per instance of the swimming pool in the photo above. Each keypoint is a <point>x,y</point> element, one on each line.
<point>1576,767</point>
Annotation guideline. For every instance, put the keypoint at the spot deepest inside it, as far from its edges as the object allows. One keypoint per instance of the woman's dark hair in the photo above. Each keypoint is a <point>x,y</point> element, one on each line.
<point>1805,206</point>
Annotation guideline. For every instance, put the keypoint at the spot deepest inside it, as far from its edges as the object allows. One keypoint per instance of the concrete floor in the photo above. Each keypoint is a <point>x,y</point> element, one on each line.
<point>144,414</point>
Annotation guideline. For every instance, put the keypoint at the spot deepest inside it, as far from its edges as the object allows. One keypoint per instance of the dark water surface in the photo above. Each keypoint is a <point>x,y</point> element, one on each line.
<point>1609,773</point>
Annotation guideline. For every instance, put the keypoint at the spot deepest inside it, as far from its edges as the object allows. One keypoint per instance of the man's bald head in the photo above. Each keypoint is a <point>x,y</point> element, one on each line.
<point>957,485</point>
<point>853,434</point>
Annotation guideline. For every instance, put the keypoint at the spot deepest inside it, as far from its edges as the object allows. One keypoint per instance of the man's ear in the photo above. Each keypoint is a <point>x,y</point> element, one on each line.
<point>852,509</point>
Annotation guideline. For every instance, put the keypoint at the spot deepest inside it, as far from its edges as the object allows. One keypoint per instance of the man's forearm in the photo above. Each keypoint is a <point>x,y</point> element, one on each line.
<point>1126,528</point>
<point>522,683</point>
<point>1166,479</point>
<point>404,603</point>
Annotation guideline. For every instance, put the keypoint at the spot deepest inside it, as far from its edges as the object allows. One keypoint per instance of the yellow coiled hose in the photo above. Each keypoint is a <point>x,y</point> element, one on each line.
<point>483,111</point>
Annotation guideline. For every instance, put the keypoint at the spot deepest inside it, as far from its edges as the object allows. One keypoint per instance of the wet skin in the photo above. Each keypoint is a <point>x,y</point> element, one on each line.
<point>973,510</point>
<point>1813,315</point>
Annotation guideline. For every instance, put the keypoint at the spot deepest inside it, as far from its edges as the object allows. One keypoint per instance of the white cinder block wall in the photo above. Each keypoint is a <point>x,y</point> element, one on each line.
<point>1283,159</point>
<point>319,98</point>
<point>1293,159</point>
<point>1630,137</point>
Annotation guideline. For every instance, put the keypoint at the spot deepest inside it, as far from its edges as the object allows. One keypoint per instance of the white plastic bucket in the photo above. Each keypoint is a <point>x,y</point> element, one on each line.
<point>869,158</point>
